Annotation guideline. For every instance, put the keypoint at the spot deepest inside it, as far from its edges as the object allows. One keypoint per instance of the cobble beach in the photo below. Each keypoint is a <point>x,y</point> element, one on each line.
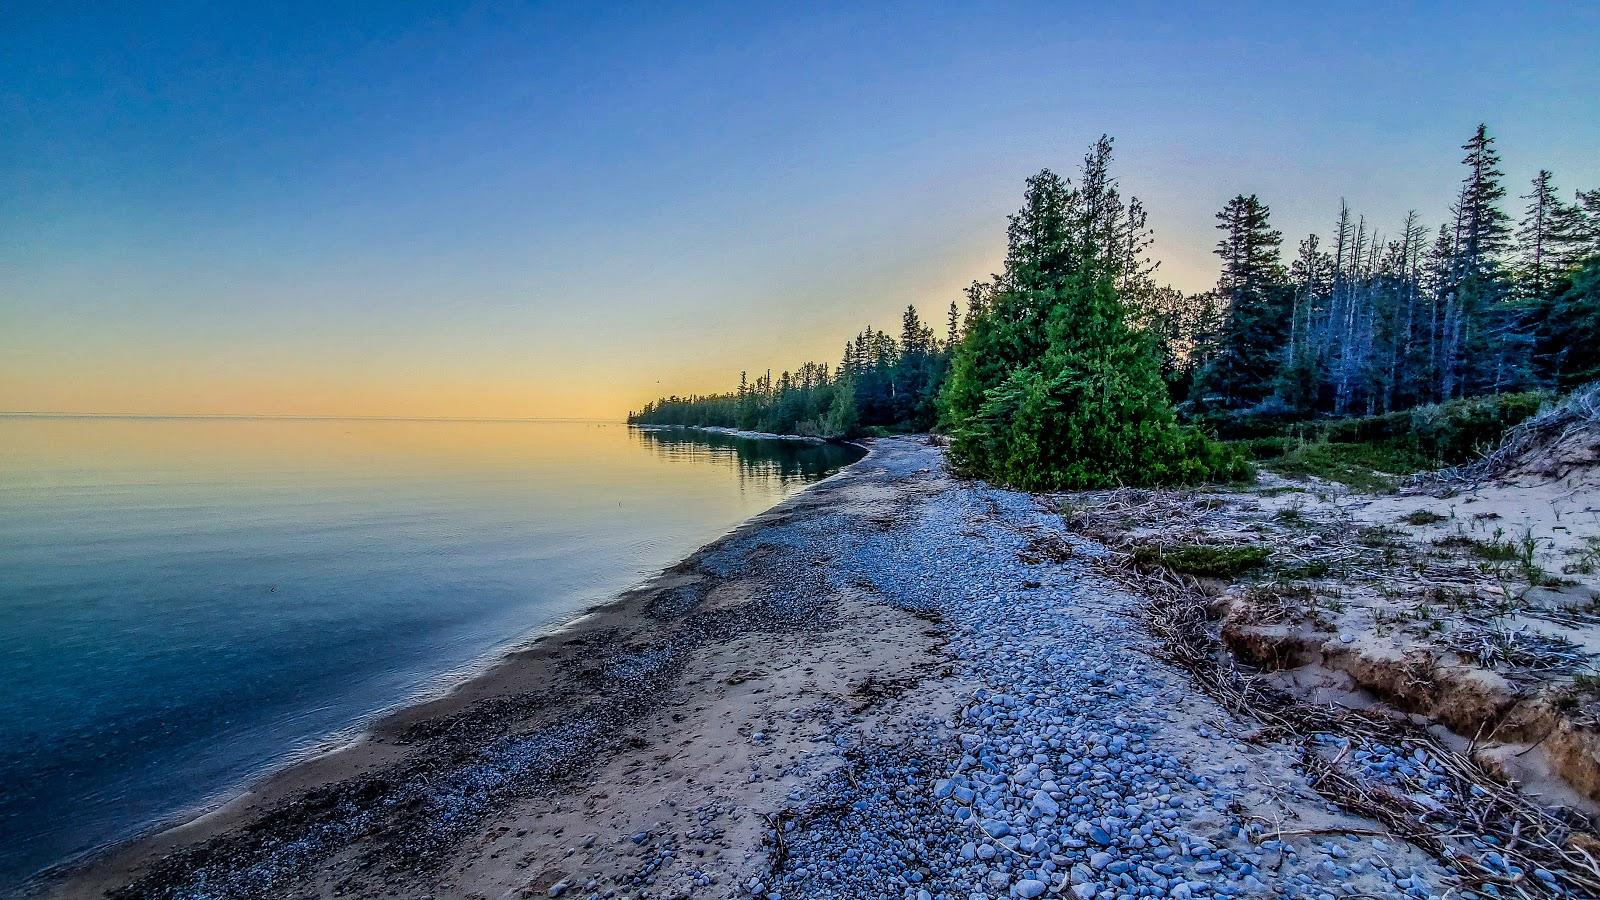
<point>894,684</point>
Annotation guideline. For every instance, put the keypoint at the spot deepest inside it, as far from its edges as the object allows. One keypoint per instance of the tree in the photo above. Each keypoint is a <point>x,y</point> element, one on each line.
<point>843,418</point>
<point>1575,232</point>
<point>1052,386</point>
<point>1570,339</point>
<point>1477,329</point>
<point>1361,322</point>
<point>1536,237</point>
<point>1249,353</point>
<point>1311,280</point>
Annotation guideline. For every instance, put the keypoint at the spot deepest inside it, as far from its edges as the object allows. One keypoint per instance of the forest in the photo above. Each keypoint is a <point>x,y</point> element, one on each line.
<point>1074,367</point>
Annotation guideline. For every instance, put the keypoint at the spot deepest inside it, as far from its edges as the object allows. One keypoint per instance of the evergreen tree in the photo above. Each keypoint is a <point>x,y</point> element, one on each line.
<point>1570,338</point>
<point>1477,329</point>
<point>1536,239</point>
<point>1575,232</point>
<point>1311,279</point>
<point>1052,386</point>
<point>1360,323</point>
<point>1249,352</point>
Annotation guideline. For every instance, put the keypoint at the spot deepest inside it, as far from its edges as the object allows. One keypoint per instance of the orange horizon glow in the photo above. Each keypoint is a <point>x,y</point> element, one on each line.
<point>569,210</point>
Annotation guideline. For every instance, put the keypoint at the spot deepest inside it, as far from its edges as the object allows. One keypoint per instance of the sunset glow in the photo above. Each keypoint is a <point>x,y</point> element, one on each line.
<point>571,210</point>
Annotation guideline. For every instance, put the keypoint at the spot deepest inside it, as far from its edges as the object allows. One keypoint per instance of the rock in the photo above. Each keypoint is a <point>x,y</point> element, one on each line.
<point>995,828</point>
<point>1030,888</point>
<point>1044,806</point>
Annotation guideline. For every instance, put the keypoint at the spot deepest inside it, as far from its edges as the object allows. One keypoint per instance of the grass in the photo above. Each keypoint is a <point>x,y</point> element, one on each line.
<point>1204,560</point>
<point>1424,517</point>
<point>1362,467</point>
<point>1506,557</point>
<point>1376,536</point>
<point>1292,514</point>
<point>1588,558</point>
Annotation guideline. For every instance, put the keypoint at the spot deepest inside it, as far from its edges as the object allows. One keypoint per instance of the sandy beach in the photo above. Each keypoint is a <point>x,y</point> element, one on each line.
<point>894,684</point>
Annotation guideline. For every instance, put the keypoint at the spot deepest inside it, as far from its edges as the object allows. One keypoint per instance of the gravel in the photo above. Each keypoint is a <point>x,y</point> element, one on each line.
<point>1067,771</point>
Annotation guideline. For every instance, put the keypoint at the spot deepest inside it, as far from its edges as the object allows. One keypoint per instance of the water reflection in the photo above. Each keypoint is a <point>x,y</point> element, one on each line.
<point>764,459</point>
<point>183,601</point>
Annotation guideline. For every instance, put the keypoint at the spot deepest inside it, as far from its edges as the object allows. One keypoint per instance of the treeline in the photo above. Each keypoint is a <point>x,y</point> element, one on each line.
<point>1364,323</point>
<point>1074,368</point>
<point>880,382</point>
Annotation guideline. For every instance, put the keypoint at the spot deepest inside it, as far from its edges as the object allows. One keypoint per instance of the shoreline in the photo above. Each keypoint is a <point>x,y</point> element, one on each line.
<point>432,689</point>
<point>370,742</point>
<point>891,684</point>
<point>747,435</point>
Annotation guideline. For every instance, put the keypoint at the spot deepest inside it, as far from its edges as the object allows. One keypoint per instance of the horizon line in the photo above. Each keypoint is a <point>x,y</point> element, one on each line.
<point>20,414</point>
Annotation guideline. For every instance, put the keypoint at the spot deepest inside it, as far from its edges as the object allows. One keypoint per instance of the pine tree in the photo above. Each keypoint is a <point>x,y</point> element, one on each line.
<point>1536,241</point>
<point>1575,232</point>
<point>1478,330</point>
<point>1570,340</point>
<point>912,335</point>
<point>1248,357</point>
<point>1311,275</point>
<point>1483,230</point>
<point>1052,387</point>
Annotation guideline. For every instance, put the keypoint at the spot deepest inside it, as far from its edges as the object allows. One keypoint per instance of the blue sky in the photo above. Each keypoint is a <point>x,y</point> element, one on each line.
<point>563,209</point>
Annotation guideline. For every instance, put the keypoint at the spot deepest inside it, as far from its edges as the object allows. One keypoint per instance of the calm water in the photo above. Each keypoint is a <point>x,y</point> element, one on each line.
<point>185,602</point>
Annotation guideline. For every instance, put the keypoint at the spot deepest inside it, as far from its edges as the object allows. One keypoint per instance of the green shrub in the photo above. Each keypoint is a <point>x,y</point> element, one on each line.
<point>1236,426</point>
<point>1074,420</point>
<point>1264,447</point>
<point>1363,467</point>
<point>1205,560</point>
<point>1461,430</point>
<point>1446,434</point>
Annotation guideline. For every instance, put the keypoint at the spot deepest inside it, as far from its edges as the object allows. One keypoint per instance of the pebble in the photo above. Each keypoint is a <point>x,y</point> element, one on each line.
<point>1064,766</point>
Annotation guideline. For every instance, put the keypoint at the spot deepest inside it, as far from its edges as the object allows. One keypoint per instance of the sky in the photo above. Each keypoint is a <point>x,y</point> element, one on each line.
<point>563,210</point>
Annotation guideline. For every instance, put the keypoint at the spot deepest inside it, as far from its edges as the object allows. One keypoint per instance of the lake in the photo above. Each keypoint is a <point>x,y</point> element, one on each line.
<point>186,603</point>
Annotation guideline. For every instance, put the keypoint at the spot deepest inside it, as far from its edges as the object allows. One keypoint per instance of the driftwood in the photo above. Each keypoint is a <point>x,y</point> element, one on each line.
<point>1529,835</point>
<point>1491,644</point>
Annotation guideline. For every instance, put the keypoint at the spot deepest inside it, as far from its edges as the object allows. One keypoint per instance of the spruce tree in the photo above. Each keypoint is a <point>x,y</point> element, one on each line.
<point>1310,277</point>
<point>1249,352</point>
<point>1477,328</point>
<point>1052,386</point>
<point>1575,232</point>
<point>1536,239</point>
<point>1570,340</point>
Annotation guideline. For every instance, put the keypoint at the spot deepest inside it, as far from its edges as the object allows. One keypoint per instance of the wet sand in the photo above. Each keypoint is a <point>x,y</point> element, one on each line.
<point>894,684</point>
<point>445,796</point>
